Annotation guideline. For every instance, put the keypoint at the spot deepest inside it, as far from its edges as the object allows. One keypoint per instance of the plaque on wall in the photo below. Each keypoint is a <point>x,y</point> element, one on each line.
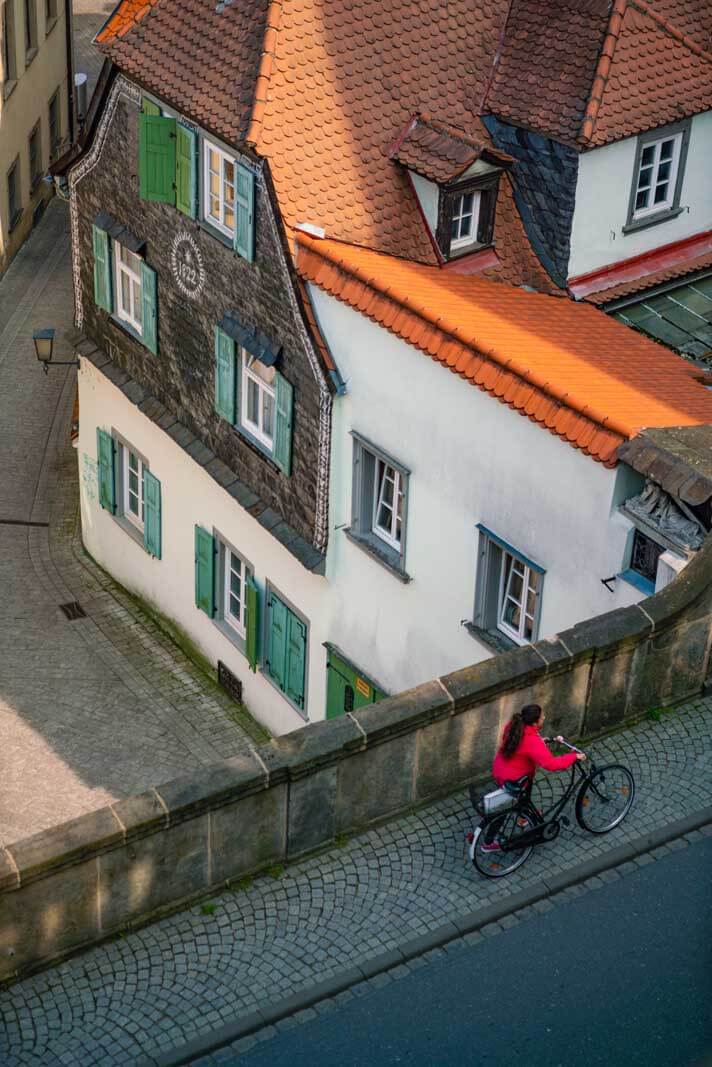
<point>187,265</point>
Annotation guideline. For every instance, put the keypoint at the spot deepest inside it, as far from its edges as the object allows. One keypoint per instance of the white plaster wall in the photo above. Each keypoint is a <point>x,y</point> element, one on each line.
<point>603,188</point>
<point>190,497</point>
<point>472,460</point>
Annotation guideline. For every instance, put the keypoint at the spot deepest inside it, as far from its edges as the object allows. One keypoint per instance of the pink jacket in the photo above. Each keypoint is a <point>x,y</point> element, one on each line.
<point>532,753</point>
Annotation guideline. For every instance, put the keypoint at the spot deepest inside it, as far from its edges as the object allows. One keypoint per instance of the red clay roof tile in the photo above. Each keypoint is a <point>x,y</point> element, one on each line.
<point>581,374</point>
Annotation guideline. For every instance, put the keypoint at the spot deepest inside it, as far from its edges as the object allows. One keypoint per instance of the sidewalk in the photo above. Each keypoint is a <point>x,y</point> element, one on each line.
<point>157,988</point>
<point>106,705</point>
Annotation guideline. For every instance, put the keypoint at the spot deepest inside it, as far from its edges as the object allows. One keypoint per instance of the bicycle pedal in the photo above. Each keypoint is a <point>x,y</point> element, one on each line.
<point>565,821</point>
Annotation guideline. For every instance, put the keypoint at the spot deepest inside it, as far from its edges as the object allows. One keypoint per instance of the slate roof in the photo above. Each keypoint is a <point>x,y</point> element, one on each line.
<point>569,367</point>
<point>589,72</point>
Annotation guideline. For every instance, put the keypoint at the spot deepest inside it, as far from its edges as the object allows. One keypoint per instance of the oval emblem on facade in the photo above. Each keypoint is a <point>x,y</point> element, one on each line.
<point>187,265</point>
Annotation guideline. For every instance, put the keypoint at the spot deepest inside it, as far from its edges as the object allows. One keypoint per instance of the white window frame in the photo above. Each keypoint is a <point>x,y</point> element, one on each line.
<point>123,313</point>
<point>137,520</point>
<point>237,623</point>
<point>219,221</point>
<point>505,578</point>
<point>458,215</point>
<point>388,534</point>
<point>653,208</point>
<point>265,389</point>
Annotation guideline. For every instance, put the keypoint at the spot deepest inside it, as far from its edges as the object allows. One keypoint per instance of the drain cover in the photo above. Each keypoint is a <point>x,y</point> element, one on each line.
<point>73,610</point>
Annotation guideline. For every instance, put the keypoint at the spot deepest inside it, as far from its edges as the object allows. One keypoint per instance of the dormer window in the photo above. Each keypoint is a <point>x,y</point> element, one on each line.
<point>455,180</point>
<point>466,214</point>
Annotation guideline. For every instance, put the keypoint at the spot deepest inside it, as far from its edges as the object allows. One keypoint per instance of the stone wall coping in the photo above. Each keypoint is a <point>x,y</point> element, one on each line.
<point>65,845</point>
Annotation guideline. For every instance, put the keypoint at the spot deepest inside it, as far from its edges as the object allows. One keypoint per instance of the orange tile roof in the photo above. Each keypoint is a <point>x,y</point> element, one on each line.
<point>650,281</point>
<point>584,376</point>
<point>321,88</point>
<point>593,71</point>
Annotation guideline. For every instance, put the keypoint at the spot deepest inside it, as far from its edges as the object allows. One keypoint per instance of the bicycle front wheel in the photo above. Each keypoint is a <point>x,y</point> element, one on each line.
<point>605,799</point>
<point>489,855</point>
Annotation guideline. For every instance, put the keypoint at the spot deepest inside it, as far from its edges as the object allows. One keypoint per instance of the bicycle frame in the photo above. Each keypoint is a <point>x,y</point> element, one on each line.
<point>537,835</point>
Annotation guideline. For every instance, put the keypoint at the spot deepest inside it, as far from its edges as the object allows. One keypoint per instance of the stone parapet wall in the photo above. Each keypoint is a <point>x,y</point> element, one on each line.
<point>89,878</point>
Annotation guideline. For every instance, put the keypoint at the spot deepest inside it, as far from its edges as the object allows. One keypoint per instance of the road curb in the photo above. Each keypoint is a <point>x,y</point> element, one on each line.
<point>457,927</point>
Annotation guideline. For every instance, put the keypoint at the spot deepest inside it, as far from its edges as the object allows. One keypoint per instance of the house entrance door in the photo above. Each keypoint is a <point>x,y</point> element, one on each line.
<point>347,689</point>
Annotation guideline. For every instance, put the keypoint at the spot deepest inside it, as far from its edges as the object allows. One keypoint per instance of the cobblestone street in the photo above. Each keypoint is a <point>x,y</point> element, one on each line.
<point>103,706</point>
<point>155,988</point>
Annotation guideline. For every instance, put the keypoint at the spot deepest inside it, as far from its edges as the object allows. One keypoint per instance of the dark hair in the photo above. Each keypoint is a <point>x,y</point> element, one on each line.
<point>515,728</point>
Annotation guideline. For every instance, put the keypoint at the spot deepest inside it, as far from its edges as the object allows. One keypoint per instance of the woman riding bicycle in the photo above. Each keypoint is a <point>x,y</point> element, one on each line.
<point>522,750</point>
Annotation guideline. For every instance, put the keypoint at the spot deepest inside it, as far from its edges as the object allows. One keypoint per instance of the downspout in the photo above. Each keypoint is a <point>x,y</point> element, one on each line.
<point>68,28</point>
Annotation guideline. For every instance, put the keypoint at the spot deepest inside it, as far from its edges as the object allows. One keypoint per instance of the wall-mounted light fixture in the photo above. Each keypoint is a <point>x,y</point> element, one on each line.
<point>44,343</point>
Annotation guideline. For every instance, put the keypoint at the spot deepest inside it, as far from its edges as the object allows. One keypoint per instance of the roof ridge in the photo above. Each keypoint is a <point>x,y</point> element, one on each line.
<point>605,60</point>
<point>604,421</point>
<point>668,26</point>
<point>264,72</point>
<point>603,69</point>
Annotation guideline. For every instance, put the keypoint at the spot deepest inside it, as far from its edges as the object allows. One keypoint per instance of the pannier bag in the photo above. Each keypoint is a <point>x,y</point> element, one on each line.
<point>497,800</point>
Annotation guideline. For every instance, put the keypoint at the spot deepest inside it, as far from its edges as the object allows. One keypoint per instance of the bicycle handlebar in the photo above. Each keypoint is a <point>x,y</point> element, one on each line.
<point>572,748</point>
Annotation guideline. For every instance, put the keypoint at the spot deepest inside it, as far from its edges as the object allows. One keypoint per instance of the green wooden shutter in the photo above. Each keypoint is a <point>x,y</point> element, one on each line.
<point>245,212</point>
<point>204,571</point>
<point>296,659</point>
<point>284,402</point>
<point>186,171</point>
<point>277,638</point>
<point>102,268</point>
<point>149,307</point>
<point>149,108</point>
<point>253,613</point>
<point>151,514</point>
<point>225,376</point>
<point>157,158</point>
<point>105,459</point>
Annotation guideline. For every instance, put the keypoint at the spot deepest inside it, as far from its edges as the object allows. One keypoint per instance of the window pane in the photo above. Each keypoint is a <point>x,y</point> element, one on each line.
<point>645,176</point>
<point>666,149</point>
<point>229,219</point>
<point>646,158</point>
<point>512,613</point>
<point>253,401</point>
<point>267,413</point>
<point>664,171</point>
<point>641,200</point>
<point>661,193</point>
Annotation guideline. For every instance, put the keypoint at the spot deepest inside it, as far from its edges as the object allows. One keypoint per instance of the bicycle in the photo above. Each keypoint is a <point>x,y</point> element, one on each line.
<point>505,838</point>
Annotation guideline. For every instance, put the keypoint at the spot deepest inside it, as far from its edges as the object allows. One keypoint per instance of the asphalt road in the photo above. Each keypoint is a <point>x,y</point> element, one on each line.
<point>619,976</point>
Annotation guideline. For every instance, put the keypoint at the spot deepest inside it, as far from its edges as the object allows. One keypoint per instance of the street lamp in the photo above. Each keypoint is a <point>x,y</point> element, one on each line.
<point>44,343</point>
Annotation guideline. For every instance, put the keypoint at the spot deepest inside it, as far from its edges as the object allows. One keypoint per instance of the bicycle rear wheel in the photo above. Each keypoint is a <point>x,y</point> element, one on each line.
<point>605,799</point>
<point>495,862</point>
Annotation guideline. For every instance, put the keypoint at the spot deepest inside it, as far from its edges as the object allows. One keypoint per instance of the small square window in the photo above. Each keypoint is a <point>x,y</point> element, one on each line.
<point>379,508</point>
<point>466,215</point>
<point>132,487</point>
<point>508,592</point>
<point>658,174</point>
<point>465,219</point>
<point>644,556</point>
<point>258,399</point>
<point>128,287</point>
<point>219,188</point>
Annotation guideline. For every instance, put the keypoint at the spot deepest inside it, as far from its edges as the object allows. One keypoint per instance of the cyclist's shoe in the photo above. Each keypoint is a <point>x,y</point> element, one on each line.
<point>493,846</point>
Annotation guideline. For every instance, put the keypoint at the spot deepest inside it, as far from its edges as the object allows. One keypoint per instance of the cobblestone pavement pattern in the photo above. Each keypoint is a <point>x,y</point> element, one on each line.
<point>105,706</point>
<point>155,988</point>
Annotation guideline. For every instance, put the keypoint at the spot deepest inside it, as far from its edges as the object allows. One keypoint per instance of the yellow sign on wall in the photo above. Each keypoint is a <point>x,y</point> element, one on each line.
<point>363,687</point>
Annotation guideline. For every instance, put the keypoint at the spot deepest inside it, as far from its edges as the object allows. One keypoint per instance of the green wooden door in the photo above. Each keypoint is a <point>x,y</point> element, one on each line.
<point>347,689</point>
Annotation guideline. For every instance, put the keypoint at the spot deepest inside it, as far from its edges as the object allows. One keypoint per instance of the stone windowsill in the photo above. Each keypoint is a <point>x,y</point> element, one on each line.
<point>367,544</point>
<point>50,25</point>
<point>8,88</point>
<point>651,220</point>
<point>494,639</point>
<point>30,55</point>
